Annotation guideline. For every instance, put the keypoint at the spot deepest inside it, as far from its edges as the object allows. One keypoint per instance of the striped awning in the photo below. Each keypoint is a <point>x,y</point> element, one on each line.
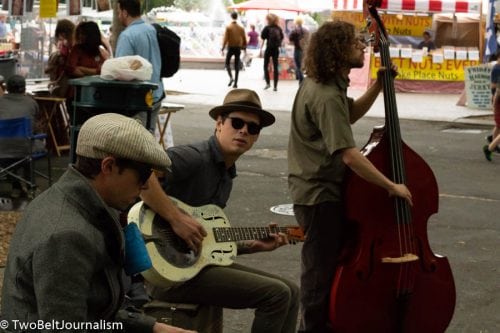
<point>434,6</point>
<point>348,5</point>
<point>426,6</point>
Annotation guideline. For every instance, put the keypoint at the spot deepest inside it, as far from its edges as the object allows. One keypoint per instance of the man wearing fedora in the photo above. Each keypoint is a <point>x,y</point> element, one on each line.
<point>203,173</point>
<point>66,256</point>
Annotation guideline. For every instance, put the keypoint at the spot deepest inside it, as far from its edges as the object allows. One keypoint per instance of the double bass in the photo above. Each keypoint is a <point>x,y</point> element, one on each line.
<point>389,280</point>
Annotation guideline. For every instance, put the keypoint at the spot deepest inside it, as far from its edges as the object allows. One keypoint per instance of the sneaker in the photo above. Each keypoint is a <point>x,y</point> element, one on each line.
<point>487,153</point>
<point>267,86</point>
<point>489,138</point>
<point>6,204</point>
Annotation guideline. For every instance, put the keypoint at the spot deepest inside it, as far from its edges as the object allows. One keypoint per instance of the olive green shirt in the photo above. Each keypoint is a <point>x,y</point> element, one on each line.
<point>320,129</point>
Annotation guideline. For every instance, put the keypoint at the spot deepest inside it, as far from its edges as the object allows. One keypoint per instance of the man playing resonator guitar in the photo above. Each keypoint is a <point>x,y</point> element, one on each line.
<point>202,174</point>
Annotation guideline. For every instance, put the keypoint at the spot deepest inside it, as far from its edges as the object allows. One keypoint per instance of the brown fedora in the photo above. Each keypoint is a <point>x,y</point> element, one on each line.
<point>245,100</point>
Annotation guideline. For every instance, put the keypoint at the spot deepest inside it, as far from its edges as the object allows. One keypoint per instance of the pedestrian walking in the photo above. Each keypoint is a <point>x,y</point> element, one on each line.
<point>236,40</point>
<point>300,38</point>
<point>273,35</point>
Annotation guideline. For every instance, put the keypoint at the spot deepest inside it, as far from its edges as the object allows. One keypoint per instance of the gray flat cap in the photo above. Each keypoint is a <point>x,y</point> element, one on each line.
<point>113,134</point>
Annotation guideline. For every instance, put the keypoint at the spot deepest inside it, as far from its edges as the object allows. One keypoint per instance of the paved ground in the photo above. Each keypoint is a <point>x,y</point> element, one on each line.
<point>208,87</point>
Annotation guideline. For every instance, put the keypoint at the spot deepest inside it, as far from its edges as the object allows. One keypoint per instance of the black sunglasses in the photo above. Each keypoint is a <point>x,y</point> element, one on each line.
<point>252,127</point>
<point>143,170</point>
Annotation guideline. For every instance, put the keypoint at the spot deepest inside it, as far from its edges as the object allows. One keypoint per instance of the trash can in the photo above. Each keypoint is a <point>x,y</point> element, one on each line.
<point>94,96</point>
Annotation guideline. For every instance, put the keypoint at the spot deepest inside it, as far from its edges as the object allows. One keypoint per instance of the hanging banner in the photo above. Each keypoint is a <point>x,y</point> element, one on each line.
<point>448,70</point>
<point>74,7</point>
<point>16,7</point>
<point>48,8</point>
<point>406,25</point>
<point>477,87</point>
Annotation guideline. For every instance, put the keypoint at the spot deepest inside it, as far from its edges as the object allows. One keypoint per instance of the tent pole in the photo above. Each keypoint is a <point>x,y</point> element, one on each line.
<point>482,31</point>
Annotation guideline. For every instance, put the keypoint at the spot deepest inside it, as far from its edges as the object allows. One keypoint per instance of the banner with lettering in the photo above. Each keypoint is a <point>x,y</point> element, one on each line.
<point>449,70</point>
<point>48,8</point>
<point>477,86</point>
<point>404,25</point>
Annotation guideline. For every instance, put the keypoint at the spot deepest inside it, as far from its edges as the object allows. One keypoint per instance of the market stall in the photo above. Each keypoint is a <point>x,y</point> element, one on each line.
<point>456,37</point>
<point>286,65</point>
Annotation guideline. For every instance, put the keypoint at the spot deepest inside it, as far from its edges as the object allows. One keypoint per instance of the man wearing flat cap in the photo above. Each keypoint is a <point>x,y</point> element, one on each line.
<point>66,255</point>
<point>203,173</point>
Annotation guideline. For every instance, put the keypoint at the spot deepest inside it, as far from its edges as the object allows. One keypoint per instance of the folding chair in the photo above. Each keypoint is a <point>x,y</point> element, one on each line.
<point>18,148</point>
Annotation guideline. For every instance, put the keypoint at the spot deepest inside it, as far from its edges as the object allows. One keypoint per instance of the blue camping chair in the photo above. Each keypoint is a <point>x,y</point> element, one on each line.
<point>19,148</point>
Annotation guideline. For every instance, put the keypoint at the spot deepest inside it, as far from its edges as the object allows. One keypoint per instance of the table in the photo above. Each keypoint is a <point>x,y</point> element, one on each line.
<point>49,107</point>
<point>168,109</point>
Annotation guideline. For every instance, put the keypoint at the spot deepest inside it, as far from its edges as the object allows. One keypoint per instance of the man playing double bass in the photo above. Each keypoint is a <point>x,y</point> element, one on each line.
<point>320,147</point>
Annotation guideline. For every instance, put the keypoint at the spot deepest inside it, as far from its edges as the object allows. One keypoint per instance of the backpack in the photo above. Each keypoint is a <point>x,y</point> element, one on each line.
<point>275,39</point>
<point>170,50</point>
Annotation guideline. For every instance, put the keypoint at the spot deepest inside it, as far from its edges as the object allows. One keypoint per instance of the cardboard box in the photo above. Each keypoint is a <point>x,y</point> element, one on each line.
<point>449,52</point>
<point>417,56</point>
<point>473,53</point>
<point>461,53</point>
<point>437,56</point>
<point>406,51</point>
<point>394,51</point>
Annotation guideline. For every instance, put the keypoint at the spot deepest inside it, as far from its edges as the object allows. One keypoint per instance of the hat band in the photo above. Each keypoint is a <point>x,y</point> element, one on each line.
<point>244,103</point>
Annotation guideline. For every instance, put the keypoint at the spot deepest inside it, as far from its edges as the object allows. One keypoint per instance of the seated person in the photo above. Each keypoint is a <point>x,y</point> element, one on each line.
<point>16,104</point>
<point>203,173</point>
<point>427,42</point>
<point>66,256</point>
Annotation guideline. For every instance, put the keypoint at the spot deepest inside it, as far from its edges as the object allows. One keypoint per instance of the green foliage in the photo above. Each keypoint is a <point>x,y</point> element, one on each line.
<point>189,5</point>
<point>200,5</point>
<point>147,5</point>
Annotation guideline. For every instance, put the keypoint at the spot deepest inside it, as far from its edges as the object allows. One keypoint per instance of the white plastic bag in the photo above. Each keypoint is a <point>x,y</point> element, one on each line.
<point>120,69</point>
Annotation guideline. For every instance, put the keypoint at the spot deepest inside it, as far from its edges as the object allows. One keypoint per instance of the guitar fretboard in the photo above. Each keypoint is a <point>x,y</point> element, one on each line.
<point>238,234</point>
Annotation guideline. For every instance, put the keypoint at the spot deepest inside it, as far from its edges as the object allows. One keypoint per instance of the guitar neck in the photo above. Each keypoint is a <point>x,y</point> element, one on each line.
<point>245,233</point>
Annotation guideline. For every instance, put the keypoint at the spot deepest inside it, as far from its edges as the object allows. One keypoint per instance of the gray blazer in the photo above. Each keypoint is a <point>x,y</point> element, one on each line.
<point>65,259</point>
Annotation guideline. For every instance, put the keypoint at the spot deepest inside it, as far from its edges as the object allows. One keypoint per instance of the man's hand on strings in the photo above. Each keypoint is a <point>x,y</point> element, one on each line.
<point>189,229</point>
<point>382,70</point>
<point>274,241</point>
<point>400,190</point>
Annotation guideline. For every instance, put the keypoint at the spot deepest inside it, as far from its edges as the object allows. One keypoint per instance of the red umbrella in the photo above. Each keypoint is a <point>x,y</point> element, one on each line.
<point>267,5</point>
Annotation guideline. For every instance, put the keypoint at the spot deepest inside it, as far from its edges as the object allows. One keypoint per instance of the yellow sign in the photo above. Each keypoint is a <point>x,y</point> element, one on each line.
<point>449,70</point>
<point>355,18</point>
<point>48,8</point>
<point>406,25</point>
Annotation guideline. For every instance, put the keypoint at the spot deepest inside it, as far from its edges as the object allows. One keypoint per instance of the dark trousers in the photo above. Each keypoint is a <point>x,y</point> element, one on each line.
<point>236,51</point>
<point>274,53</point>
<point>297,57</point>
<point>324,227</point>
<point>274,299</point>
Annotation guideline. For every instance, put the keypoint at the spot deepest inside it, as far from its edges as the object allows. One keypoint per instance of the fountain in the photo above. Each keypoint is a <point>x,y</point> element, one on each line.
<point>201,32</point>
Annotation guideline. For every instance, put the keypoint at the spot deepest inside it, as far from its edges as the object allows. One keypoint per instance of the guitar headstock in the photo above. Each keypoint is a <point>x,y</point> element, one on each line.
<point>294,233</point>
